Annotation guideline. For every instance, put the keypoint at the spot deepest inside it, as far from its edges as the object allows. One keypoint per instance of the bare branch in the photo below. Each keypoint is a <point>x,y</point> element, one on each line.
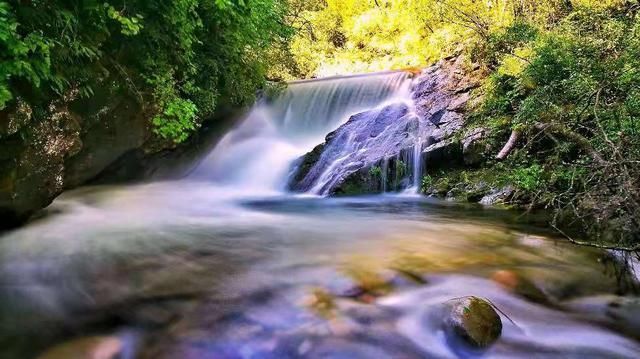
<point>508,147</point>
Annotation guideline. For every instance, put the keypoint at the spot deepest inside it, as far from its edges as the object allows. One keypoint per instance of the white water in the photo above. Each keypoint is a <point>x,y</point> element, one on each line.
<point>257,155</point>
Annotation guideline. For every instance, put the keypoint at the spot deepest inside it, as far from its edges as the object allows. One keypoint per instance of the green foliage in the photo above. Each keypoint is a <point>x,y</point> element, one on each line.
<point>177,120</point>
<point>130,25</point>
<point>528,178</point>
<point>181,57</point>
<point>345,36</point>
<point>375,171</point>
<point>427,182</point>
<point>274,89</point>
<point>401,169</point>
<point>23,56</point>
<point>572,92</point>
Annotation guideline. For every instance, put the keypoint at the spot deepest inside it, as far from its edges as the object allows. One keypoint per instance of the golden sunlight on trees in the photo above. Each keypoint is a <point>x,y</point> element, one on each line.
<point>347,36</point>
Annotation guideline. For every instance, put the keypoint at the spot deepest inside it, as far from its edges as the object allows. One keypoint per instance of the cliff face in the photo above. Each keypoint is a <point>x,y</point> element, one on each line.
<point>46,152</point>
<point>389,148</point>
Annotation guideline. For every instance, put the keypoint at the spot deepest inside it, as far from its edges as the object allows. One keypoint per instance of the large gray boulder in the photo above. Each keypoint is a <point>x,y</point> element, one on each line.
<point>377,150</point>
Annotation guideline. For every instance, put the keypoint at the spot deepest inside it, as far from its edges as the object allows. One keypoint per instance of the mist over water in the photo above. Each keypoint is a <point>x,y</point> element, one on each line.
<point>226,264</point>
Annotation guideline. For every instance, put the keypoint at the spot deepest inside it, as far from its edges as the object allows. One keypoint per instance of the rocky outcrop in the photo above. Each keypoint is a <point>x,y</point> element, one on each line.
<point>32,160</point>
<point>70,143</point>
<point>362,141</point>
<point>378,150</point>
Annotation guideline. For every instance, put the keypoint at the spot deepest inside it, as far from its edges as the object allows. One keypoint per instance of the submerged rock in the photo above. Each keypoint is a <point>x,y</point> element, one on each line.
<point>621,312</point>
<point>497,196</point>
<point>97,347</point>
<point>519,285</point>
<point>474,321</point>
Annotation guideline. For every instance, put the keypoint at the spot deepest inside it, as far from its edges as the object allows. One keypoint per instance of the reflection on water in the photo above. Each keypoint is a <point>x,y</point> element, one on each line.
<point>192,270</point>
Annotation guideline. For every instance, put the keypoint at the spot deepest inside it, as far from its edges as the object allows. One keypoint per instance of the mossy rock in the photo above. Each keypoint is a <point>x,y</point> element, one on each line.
<point>304,165</point>
<point>474,321</point>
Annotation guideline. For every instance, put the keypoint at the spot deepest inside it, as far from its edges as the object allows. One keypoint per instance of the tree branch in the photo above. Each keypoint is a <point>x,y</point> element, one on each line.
<point>508,147</point>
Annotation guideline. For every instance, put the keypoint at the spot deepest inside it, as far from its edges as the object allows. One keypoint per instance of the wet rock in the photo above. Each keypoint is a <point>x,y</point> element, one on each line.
<point>498,196</point>
<point>321,302</point>
<point>61,148</point>
<point>32,162</point>
<point>472,320</point>
<point>383,132</point>
<point>16,119</point>
<point>474,148</point>
<point>98,347</point>
<point>303,166</point>
<point>622,312</point>
<point>376,150</point>
<point>70,144</point>
<point>519,285</point>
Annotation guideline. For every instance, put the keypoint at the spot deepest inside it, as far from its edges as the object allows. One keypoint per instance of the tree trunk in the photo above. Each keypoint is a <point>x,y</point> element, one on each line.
<point>508,147</point>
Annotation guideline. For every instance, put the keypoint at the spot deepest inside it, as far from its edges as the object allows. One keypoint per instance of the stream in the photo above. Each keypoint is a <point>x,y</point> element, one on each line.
<point>191,270</point>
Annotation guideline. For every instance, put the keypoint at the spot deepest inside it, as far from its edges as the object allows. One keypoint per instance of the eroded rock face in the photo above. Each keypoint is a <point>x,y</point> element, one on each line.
<point>32,162</point>
<point>474,147</point>
<point>61,148</point>
<point>363,140</point>
<point>378,150</point>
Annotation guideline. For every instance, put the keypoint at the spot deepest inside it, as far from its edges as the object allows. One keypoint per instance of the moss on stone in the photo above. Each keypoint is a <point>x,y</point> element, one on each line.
<point>475,321</point>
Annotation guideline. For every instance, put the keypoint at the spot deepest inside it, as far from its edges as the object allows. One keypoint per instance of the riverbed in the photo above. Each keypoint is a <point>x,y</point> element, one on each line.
<point>189,269</point>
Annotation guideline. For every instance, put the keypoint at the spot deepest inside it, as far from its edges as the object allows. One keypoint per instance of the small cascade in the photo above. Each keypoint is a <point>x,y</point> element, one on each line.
<point>416,164</point>
<point>363,142</point>
<point>384,174</point>
<point>386,139</point>
<point>390,142</point>
<point>257,155</point>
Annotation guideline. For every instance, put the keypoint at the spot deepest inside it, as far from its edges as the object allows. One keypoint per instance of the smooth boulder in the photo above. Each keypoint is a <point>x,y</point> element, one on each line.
<point>473,320</point>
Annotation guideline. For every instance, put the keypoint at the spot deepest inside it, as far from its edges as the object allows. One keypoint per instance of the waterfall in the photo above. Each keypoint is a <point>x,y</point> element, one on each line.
<point>256,156</point>
<point>416,163</point>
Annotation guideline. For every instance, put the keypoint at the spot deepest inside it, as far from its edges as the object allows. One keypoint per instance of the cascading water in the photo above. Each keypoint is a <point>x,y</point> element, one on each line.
<point>256,156</point>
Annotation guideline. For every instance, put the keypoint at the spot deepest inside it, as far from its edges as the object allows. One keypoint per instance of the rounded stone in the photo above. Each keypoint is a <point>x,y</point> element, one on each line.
<point>474,320</point>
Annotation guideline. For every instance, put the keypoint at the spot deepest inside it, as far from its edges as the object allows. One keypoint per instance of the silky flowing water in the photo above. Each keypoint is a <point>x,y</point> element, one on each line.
<point>190,270</point>
<point>225,264</point>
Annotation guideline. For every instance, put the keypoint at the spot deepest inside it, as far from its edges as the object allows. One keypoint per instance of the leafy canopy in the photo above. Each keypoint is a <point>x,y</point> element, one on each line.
<point>180,58</point>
